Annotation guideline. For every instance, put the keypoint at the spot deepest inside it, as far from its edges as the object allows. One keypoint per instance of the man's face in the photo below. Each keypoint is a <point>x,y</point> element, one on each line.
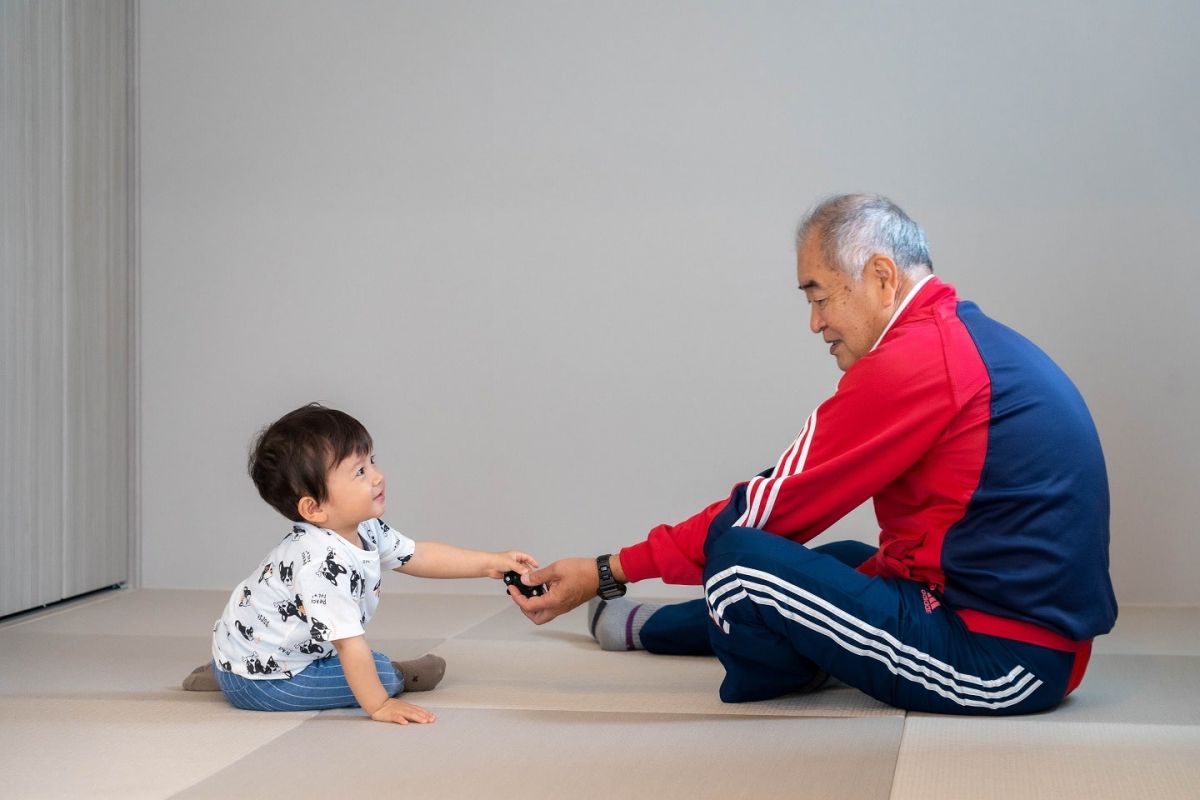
<point>849,316</point>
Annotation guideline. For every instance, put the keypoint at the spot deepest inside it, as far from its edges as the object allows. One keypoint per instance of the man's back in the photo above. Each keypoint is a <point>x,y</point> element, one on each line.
<point>1034,539</point>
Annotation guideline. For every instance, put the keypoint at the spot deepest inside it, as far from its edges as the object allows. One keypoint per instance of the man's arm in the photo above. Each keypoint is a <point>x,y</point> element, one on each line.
<point>884,416</point>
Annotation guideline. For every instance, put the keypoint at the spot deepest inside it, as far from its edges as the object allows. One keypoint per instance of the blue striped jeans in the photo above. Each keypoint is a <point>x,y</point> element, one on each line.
<point>320,685</point>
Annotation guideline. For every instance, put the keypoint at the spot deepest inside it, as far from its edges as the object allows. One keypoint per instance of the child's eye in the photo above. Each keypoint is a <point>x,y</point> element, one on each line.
<point>372,458</point>
<point>361,471</point>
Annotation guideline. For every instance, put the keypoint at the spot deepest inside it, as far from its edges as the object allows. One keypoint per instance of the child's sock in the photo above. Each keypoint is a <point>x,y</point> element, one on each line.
<point>202,679</point>
<point>421,674</point>
<point>617,624</point>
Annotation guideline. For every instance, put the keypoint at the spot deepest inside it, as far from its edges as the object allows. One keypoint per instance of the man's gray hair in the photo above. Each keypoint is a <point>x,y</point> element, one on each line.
<point>853,227</point>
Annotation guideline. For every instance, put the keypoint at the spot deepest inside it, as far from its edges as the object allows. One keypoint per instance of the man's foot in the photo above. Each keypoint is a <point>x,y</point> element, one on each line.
<point>617,624</point>
<point>421,674</point>
<point>202,679</point>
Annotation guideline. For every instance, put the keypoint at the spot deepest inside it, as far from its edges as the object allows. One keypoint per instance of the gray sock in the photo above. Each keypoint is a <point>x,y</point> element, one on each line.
<point>201,679</point>
<point>617,624</point>
<point>421,674</point>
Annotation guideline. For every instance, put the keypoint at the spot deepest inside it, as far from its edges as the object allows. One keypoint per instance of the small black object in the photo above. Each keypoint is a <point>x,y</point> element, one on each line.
<point>512,578</point>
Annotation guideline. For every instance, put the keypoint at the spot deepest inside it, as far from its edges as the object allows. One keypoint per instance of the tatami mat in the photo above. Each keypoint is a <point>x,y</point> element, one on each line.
<point>1153,630</point>
<point>147,612</point>
<point>549,677</point>
<point>509,624</point>
<point>471,753</point>
<point>125,747</point>
<point>947,758</point>
<point>425,616</point>
<point>96,666</point>
<point>90,707</point>
<point>1134,689</point>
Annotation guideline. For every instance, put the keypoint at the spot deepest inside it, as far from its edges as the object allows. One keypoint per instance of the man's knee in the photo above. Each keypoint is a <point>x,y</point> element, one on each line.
<point>849,552</point>
<point>722,544</point>
<point>751,548</point>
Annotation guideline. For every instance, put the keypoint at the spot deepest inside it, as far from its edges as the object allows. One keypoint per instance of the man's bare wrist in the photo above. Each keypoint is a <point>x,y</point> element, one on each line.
<point>614,564</point>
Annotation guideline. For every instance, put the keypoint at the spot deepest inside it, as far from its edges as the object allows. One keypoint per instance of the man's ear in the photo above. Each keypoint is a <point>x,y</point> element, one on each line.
<point>311,511</point>
<point>884,273</point>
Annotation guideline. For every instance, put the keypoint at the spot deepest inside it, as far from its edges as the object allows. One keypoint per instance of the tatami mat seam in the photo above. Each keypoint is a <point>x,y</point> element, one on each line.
<point>40,614</point>
<point>475,624</point>
<point>434,706</point>
<point>896,760</point>
<point>246,755</point>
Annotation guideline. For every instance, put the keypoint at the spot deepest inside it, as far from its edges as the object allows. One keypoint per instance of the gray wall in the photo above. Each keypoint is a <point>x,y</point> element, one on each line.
<point>543,250</point>
<point>64,299</point>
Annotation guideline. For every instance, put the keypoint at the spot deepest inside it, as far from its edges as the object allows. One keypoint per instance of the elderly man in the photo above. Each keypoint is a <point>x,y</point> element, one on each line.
<point>991,575</point>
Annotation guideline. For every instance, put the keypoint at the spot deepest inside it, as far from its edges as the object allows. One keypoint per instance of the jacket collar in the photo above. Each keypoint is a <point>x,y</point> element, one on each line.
<point>934,290</point>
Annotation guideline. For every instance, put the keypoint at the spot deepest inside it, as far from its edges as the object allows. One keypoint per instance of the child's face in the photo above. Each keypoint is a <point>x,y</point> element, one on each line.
<point>355,489</point>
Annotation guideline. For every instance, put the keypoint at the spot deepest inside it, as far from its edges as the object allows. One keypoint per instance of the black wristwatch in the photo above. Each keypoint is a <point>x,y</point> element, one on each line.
<point>610,587</point>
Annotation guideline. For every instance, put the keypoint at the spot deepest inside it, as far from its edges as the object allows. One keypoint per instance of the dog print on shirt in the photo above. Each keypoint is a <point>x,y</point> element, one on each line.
<point>331,569</point>
<point>291,608</point>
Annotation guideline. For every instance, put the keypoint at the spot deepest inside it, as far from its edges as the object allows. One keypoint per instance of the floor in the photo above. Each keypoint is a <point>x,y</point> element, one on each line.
<point>90,707</point>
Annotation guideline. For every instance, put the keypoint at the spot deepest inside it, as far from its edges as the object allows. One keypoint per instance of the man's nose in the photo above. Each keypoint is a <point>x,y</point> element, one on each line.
<point>815,323</point>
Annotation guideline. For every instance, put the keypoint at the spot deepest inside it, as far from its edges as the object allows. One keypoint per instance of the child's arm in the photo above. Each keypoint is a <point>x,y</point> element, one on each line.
<point>438,560</point>
<point>359,666</point>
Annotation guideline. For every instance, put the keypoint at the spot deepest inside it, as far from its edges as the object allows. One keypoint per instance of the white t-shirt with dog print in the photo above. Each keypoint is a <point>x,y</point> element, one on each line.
<point>313,588</point>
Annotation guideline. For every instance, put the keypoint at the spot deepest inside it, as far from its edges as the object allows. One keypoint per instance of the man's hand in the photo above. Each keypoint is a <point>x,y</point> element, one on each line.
<point>570,582</point>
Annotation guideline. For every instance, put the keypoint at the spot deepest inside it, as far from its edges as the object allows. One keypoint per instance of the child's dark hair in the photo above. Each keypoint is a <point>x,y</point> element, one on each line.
<point>292,456</point>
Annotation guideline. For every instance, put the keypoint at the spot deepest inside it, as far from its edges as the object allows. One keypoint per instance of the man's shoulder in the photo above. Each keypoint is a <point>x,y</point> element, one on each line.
<point>931,354</point>
<point>915,347</point>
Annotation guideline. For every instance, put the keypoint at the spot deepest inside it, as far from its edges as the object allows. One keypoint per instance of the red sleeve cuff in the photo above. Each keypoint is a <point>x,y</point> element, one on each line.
<point>638,563</point>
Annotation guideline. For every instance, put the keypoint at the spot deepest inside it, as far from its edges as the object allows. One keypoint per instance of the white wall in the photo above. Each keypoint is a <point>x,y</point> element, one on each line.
<point>543,250</point>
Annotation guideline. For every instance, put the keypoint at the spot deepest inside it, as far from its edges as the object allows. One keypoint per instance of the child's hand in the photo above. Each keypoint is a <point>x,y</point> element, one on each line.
<point>402,713</point>
<point>513,560</point>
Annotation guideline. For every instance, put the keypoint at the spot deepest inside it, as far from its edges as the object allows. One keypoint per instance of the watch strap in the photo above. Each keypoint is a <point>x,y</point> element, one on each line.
<point>610,588</point>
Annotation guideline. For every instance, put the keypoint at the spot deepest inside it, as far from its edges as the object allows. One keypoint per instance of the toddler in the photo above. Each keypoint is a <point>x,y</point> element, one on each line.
<point>291,637</point>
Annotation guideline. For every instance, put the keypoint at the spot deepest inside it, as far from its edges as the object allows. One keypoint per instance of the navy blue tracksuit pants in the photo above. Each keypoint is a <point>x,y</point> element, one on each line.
<point>776,613</point>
